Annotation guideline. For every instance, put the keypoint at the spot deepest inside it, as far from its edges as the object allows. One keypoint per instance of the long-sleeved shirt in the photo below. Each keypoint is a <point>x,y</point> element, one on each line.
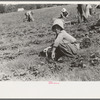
<point>64,37</point>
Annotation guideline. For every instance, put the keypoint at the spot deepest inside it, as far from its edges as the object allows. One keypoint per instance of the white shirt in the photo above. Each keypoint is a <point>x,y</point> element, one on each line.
<point>64,37</point>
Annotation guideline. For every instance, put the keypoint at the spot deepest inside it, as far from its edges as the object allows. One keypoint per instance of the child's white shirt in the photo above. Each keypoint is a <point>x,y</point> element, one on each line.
<point>64,37</point>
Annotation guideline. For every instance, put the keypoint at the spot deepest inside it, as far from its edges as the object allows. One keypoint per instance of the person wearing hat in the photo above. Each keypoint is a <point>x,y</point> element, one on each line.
<point>29,16</point>
<point>64,44</point>
<point>64,14</point>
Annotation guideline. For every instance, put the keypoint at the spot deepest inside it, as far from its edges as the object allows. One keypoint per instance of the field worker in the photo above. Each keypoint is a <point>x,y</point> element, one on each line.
<point>64,14</point>
<point>29,16</point>
<point>84,11</point>
<point>64,44</point>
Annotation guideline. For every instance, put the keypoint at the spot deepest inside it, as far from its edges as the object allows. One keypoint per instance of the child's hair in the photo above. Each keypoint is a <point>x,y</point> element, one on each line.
<point>57,27</point>
<point>58,22</point>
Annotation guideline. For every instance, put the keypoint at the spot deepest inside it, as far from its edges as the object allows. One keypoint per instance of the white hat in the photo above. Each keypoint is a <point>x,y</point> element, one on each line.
<point>58,22</point>
<point>63,10</point>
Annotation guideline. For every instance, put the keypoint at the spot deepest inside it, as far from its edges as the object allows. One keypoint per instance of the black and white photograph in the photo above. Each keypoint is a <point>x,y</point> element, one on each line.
<point>49,49</point>
<point>49,42</point>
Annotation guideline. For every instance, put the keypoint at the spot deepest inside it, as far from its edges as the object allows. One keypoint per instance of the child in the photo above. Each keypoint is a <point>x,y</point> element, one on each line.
<point>64,44</point>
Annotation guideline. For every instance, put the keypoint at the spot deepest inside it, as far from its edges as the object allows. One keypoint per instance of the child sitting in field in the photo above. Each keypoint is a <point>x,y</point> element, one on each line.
<point>64,44</point>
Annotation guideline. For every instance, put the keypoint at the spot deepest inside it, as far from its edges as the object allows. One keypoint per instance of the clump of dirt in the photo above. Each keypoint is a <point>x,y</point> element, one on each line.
<point>94,59</point>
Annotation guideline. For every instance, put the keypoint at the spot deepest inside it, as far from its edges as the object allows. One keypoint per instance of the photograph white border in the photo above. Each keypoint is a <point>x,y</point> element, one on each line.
<point>38,90</point>
<point>41,89</point>
<point>49,2</point>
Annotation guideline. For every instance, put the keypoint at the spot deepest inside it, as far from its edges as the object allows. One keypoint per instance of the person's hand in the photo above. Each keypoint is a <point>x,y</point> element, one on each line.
<point>53,55</point>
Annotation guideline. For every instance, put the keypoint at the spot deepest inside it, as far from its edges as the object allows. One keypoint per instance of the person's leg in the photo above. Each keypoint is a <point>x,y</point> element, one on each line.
<point>85,19</point>
<point>79,12</point>
<point>61,50</point>
<point>68,50</point>
<point>90,10</point>
<point>79,17</point>
<point>58,53</point>
<point>29,19</point>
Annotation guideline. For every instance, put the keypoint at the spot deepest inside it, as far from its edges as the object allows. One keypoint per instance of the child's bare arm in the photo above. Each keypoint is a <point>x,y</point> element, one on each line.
<point>53,53</point>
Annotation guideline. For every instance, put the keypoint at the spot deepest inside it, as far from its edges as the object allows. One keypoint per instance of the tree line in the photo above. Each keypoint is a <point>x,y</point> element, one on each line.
<point>13,8</point>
